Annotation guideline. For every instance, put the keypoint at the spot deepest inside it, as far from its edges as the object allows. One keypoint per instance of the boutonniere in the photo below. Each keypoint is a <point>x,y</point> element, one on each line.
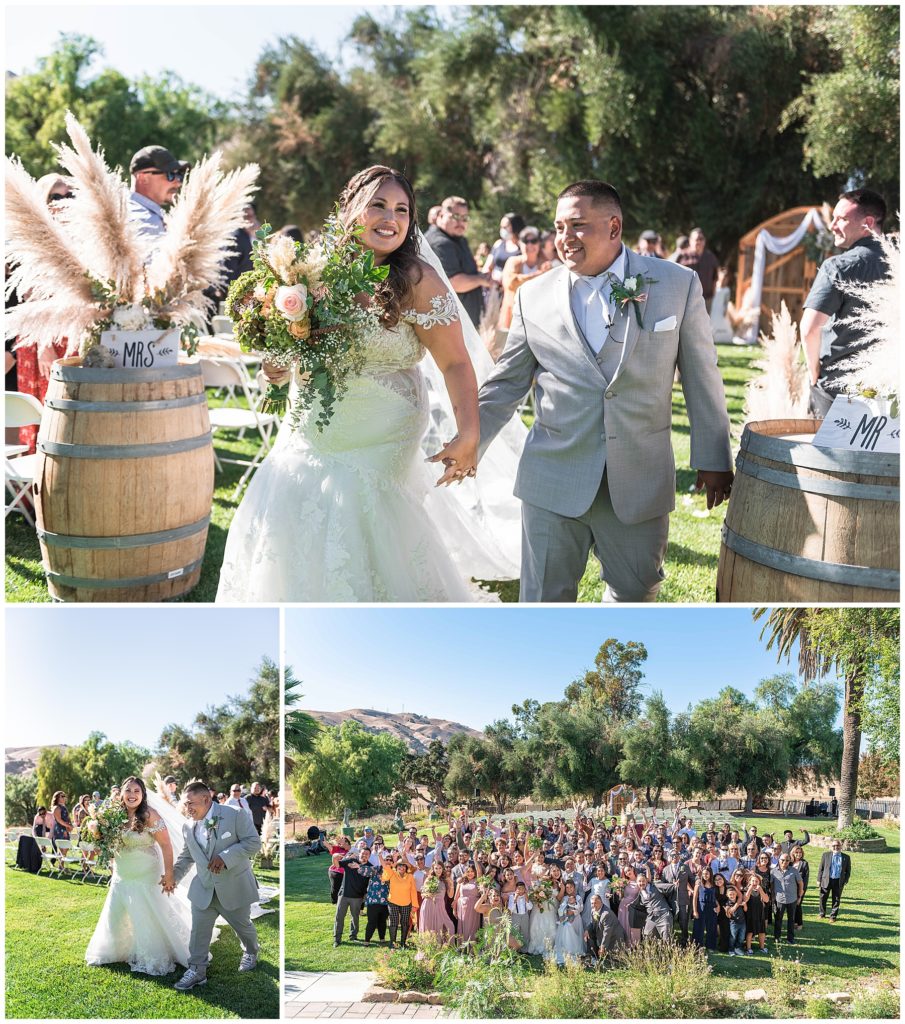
<point>210,824</point>
<point>629,291</point>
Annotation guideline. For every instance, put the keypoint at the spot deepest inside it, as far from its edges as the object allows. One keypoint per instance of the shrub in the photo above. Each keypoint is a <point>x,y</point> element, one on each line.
<point>858,830</point>
<point>401,969</point>
<point>484,981</point>
<point>819,1008</point>
<point>571,993</point>
<point>662,979</point>
<point>877,1005</point>
<point>788,978</point>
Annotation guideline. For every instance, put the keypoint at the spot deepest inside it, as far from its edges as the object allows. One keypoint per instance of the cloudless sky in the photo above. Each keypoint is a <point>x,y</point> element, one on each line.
<point>126,672</point>
<point>212,45</point>
<point>472,665</point>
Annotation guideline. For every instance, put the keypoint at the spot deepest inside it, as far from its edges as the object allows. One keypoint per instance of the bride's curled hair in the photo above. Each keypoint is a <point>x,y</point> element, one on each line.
<point>394,293</point>
<point>143,811</point>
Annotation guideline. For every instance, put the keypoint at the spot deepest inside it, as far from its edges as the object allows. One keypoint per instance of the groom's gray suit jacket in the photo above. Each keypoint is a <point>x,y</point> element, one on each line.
<point>235,841</point>
<point>585,423</point>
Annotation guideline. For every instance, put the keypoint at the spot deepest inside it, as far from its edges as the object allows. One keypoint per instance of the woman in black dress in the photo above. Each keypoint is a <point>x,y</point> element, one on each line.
<point>803,869</point>
<point>61,823</point>
<point>722,919</point>
<point>763,869</point>
<point>756,913</point>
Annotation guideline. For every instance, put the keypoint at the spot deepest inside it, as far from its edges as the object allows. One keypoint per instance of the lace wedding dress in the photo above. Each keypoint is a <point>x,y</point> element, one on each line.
<point>140,925</point>
<point>351,513</point>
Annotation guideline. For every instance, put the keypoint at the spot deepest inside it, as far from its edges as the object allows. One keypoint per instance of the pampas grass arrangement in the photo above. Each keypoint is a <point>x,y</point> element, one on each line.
<point>874,370</point>
<point>782,389</point>
<point>86,269</point>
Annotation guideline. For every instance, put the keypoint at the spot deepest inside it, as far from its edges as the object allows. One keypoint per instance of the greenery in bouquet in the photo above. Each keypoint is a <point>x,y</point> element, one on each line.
<point>85,269</point>
<point>300,306</point>
<point>486,882</point>
<point>481,844</point>
<point>431,886</point>
<point>535,843</point>
<point>106,824</point>
<point>617,885</point>
<point>541,894</point>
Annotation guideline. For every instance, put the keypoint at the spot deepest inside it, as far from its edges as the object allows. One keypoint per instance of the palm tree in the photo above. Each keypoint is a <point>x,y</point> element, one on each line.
<point>816,658</point>
<point>300,728</point>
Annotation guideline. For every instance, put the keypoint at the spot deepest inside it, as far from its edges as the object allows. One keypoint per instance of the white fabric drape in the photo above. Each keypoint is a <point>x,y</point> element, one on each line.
<point>778,247</point>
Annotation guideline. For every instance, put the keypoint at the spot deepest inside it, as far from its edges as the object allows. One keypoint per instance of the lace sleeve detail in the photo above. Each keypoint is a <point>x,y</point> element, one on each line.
<point>444,310</point>
<point>158,826</point>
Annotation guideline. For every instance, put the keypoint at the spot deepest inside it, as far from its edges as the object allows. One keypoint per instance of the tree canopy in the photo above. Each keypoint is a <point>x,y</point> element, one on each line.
<point>96,764</point>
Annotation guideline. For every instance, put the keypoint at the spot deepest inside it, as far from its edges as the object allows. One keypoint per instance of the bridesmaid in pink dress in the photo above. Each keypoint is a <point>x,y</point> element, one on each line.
<point>467,918</point>
<point>432,915</point>
<point>629,895</point>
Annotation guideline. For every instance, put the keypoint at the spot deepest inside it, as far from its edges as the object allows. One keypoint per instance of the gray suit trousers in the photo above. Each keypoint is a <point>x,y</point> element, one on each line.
<point>555,552</point>
<point>343,904</point>
<point>203,921</point>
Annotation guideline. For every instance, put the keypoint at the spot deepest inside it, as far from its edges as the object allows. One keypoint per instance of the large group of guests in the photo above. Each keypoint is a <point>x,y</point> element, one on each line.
<point>581,889</point>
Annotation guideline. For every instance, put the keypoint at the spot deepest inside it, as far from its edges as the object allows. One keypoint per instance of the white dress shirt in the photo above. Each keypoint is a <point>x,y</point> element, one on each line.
<point>592,301</point>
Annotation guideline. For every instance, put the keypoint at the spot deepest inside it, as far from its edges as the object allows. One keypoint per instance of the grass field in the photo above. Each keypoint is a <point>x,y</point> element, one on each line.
<point>691,560</point>
<point>48,925</point>
<point>863,943</point>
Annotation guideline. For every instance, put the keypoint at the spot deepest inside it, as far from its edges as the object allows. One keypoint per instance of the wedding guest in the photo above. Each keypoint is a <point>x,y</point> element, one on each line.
<point>376,902</point>
<point>704,904</point>
<point>520,908</point>
<point>292,231</point>
<point>259,804</point>
<point>677,873</point>
<point>789,843</point>
<point>604,933</point>
<point>518,269</point>
<point>682,243</point>
<point>734,912</point>
<point>660,918</point>
<point>80,811</point>
<point>403,899</point>
<point>720,884</point>
<point>832,322</point>
<point>803,869</point>
<point>787,891</point>
<point>352,891</point>
<point>548,249</point>
<point>505,247</point>
<point>236,799</point>
<point>335,872</point>
<point>832,877</point>
<point>433,915</point>
<point>758,903</point>
<point>170,790</point>
<point>432,215</point>
<point>703,262</point>
<point>62,825</point>
<point>447,239</point>
<point>42,826</point>
<point>569,943</point>
<point>465,900</point>
<point>156,178</point>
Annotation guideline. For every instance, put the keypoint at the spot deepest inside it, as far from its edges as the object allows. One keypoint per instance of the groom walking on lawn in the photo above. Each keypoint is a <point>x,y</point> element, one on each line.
<point>220,841</point>
<point>600,339</point>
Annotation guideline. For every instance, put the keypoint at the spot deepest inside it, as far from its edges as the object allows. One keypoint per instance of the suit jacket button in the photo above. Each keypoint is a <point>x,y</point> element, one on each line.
<point>609,394</point>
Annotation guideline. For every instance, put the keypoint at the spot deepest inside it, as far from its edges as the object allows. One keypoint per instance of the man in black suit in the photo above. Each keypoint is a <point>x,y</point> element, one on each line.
<point>677,873</point>
<point>835,871</point>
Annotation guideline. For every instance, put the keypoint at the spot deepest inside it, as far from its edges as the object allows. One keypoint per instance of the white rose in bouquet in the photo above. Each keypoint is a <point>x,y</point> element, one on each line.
<point>290,302</point>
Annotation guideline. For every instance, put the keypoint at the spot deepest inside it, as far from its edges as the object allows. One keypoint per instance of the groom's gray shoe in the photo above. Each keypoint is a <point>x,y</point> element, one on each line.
<point>248,962</point>
<point>192,977</point>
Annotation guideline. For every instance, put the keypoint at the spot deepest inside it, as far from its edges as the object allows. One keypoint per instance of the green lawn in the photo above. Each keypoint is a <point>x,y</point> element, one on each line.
<point>863,943</point>
<point>48,925</point>
<point>691,560</point>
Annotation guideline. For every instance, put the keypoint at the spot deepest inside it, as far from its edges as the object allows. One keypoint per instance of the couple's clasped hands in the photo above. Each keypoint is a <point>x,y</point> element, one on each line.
<point>167,883</point>
<point>460,457</point>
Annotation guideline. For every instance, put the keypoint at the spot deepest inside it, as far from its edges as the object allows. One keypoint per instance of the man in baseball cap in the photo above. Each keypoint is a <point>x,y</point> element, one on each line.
<point>156,178</point>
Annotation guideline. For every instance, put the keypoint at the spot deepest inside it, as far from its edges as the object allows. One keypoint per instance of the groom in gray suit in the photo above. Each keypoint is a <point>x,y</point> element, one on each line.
<point>220,841</point>
<point>599,339</point>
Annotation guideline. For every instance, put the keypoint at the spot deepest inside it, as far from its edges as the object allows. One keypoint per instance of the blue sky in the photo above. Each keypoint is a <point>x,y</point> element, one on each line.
<point>125,672</point>
<point>212,45</point>
<point>471,664</point>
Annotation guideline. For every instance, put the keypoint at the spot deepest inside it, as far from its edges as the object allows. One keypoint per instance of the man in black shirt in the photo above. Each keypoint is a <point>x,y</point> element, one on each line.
<point>447,239</point>
<point>352,892</point>
<point>258,804</point>
<point>827,321</point>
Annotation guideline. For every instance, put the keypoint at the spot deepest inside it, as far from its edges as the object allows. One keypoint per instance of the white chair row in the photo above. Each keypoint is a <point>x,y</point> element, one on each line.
<point>61,855</point>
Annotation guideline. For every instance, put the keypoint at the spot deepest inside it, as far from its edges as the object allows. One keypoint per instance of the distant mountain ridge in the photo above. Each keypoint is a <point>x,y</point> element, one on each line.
<point>415,731</point>
<point>22,760</point>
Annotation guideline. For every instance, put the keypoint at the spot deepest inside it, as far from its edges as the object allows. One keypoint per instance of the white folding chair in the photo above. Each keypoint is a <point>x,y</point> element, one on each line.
<point>48,855</point>
<point>89,852</point>
<point>21,410</point>
<point>221,325</point>
<point>69,854</point>
<point>220,373</point>
<point>12,845</point>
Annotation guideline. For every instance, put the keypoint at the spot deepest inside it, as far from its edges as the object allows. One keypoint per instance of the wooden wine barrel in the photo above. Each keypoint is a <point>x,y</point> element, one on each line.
<point>809,524</point>
<point>124,482</point>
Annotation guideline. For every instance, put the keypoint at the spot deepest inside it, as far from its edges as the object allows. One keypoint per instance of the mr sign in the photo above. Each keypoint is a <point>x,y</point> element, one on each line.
<point>143,350</point>
<point>859,424</point>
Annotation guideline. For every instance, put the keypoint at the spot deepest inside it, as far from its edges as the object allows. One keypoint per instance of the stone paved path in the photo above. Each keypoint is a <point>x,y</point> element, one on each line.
<point>317,995</point>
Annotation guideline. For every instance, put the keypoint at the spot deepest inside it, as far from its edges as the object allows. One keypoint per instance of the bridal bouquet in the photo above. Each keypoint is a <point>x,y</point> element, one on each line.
<point>617,885</point>
<point>106,826</point>
<point>541,894</point>
<point>431,886</point>
<point>299,305</point>
<point>486,882</point>
<point>85,270</point>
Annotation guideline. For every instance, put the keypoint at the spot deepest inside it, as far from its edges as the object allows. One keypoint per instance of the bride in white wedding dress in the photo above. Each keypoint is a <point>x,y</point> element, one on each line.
<point>347,514</point>
<point>140,925</point>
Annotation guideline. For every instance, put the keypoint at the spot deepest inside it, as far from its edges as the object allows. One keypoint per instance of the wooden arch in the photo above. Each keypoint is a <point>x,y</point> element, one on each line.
<point>786,278</point>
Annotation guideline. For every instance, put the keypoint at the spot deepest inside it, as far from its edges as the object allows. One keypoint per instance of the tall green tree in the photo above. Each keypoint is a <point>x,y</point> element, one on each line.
<point>237,741</point>
<point>492,764</point>
<point>848,113</point>
<point>862,645</point>
<point>21,799</point>
<point>119,115</point>
<point>615,681</point>
<point>348,770</point>
<point>300,728</point>
<point>648,750</point>
<point>96,764</point>
<point>425,771</point>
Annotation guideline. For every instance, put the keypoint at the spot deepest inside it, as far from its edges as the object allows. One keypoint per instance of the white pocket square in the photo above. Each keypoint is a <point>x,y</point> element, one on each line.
<point>665,325</point>
<point>226,835</point>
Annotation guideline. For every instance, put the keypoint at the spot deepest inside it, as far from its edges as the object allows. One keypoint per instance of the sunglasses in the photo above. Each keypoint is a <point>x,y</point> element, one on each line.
<point>170,175</point>
<point>462,218</point>
<point>531,241</point>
